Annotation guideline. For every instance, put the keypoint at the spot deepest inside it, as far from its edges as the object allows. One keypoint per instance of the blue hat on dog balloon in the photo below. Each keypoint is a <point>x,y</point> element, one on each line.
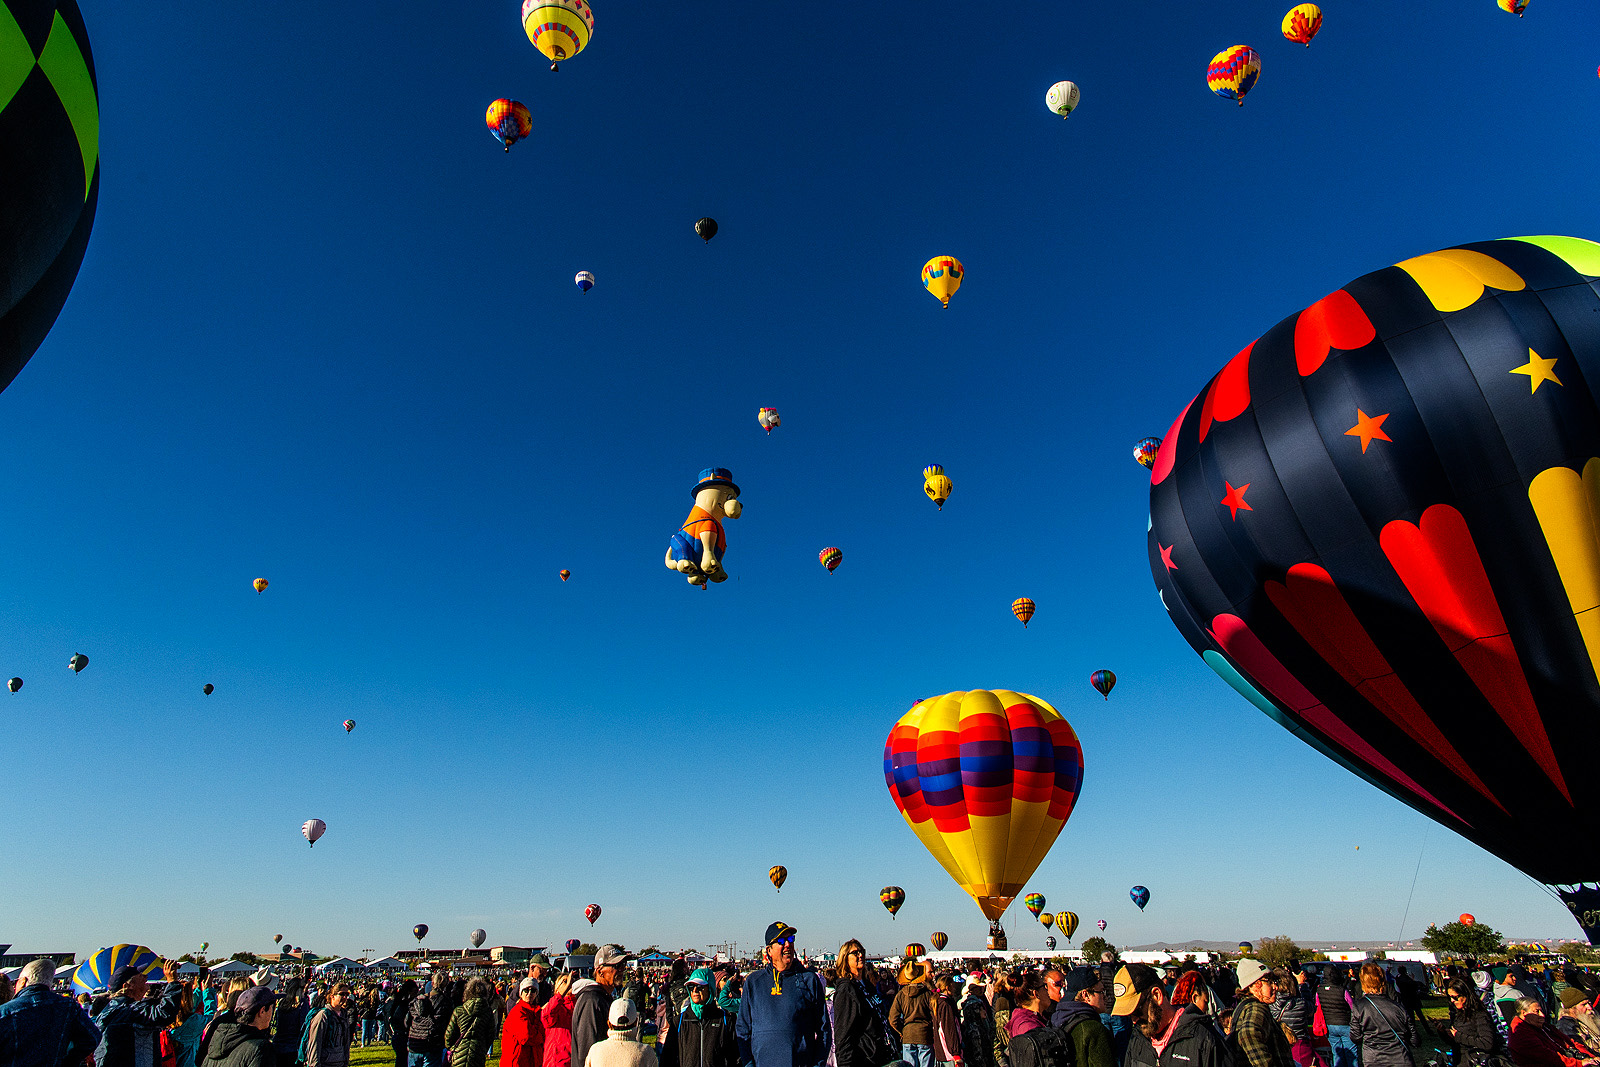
<point>713,477</point>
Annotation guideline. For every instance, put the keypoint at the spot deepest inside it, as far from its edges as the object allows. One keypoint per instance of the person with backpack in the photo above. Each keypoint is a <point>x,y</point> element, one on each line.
<point>1085,998</point>
<point>1033,1044</point>
<point>1163,1033</point>
<point>911,1014</point>
<point>395,1009</point>
<point>426,1022</point>
<point>1257,1038</point>
<point>289,1022</point>
<point>328,1032</point>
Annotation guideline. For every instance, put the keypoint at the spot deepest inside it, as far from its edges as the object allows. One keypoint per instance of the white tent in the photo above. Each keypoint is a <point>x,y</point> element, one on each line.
<point>388,963</point>
<point>232,967</point>
<point>188,968</point>
<point>342,965</point>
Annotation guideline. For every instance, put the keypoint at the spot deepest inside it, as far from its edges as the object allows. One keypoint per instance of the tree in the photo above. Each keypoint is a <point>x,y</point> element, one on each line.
<point>1094,948</point>
<point>587,949</point>
<point>1456,939</point>
<point>1579,952</point>
<point>246,957</point>
<point>1280,951</point>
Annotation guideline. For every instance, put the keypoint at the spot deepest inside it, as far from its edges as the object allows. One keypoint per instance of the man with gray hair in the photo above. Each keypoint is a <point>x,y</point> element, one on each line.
<point>38,1028</point>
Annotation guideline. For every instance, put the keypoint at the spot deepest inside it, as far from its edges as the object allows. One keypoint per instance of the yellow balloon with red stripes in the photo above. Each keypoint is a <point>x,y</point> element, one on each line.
<point>1302,23</point>
<point>558,28</point>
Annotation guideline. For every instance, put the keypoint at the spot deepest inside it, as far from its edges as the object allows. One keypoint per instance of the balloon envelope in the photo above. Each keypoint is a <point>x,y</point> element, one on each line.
<point>1399,564</point>
<point>584,280</point>
<point>1145,451</point>
<point>891,897</point>
<point>1516,7</point>
<point>769,419</point>
<point>508,121</point>
<point>565,574</point>
<point>558,28</point>
<point>1302,23</point>
<point>572,945</point>
<point>830,558</point>
<point>942,276</point>
<point>939,940</point>
<point>93,974</point>
<point>1067,923</point>
<point>914,950</point>
<point>349,724</point>
<point>1049,942</point>
<point>592,912</point>
<point>312,829</point>
<point>1034,902</point>
<point>208,689</point>
<point>1139,895</point>
<point>1233,72</point>
<point>1048,920</point>
<point>707,229</point>
<point>1103,681</point>
<point>477,938</point>
<point>1245,946</point>
<point>419,931</point>
<point>49,169</point>
<point>276,938</point>
<point>14,684</point>
<point>78,662</point>
<point>260,584</point>
<point>778,875</point>
<point>986,780</point>
<point>1467,920</point>
<point>1023,609</point>
<point>1062,98</point>
<point>1101,923</point>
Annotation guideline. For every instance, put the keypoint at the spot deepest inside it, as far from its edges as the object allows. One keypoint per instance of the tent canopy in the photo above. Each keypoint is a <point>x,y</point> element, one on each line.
<point>232,967</point>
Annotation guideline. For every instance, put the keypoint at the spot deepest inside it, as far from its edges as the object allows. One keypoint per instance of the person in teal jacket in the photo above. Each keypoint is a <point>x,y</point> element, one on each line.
<point>782,1017</point>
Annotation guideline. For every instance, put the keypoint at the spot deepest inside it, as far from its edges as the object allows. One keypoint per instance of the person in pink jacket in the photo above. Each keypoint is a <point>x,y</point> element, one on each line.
<point>557,1018</point>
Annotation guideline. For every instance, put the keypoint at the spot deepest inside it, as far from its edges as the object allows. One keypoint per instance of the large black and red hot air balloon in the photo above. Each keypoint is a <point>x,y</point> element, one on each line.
<point>1380,523</point>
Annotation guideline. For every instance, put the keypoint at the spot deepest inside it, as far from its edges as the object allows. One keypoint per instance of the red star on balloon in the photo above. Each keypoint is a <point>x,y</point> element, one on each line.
<point>1234,500</point>
<point>1166,555</point>
<point>1369,428</point>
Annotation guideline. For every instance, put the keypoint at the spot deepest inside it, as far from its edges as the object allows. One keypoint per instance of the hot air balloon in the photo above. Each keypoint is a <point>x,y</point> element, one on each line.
<point>14,684</point>
<point>204,945</point>
<point>558,28</point>
<point>915,949</point>
<point>312,829</point>
<point>1233,72</point>
<point>829,558</point>
<point>1246,947</point>
<point>1427,624</point>
<point>1067,923</point>
<point>1061,98</point>
<point>1145,451</point>
<point>1050,942</point>
<point>1101,923</point>
<point>1468,920</point>
<point>1103,681</point>
<point>769,420</point>
<point>1034,902</point>
<point>942,276</point>
<point>940,939</point>
<point>936,484</point>
<point>49,169</point>
<point>208,689</point>
<point>260,585</point>
<point>349,724</point>
<point>892,896</point>
<point>990,806</point>
<point>1139,895</point>
<point>1302,23</point>
<point>477,938</point>
<point>508,121</point>
<point>777,876</point>
<point>276,938</point>
<point>419,932</point>
<point>565,574</point>
<point>706,229</point>
<point>1023,609</point>
<point>78,662</point>
<point>592,912</point>
<point>1516,7</point>
<point>94,974</point>
<point>584,280</point>
<point>573,944</point>
<point>1047,920</point>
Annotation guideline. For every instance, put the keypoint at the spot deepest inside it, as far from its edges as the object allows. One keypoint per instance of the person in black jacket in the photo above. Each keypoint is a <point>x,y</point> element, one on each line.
<point>858,1031</point>
<point>129,1024</point>
<point>703,1033</point>
<point>1188,1040</point>
<point>399,1006</point>
<point>1471,1030</point>
<point>426,1022</point>
<point>1378,1025</point>
<point>1333,997</point>
<point>592,1005</point>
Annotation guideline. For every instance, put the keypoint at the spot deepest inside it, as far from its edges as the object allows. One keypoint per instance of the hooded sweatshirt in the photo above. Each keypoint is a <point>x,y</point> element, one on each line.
<point>591,1002</point>
<point>236,1045</point>
<point>782,1022</point>
<point>522,1038</point>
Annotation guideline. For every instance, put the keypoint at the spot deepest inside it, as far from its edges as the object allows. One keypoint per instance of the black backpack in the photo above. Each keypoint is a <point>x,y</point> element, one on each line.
<point>1050,1047</point>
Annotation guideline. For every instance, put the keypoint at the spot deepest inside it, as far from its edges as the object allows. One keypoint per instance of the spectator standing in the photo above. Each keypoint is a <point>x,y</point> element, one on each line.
<point>556,1015</point>
<point>782,1022</point>
<point>912,1014</point>
<point>621,1047</point>
<point>1257,1038</point>
<point>471,1029</point>
<point>1379,1026</point>
<point>1084,999</point>
<point>245,1040</point>
<point>704,1032</point>
<point>858,1039</point>
<point>591,1000</point>
<point>1333,997</point>
<point>129,1024</point>
<point>1162,1033</point>
<point>977,1023</point>
<point>426,1020</point>
<point>328,1035</point>
<point>38,1028</point>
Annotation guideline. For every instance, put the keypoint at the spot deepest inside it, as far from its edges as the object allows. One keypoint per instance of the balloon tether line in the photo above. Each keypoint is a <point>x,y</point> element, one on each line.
<point>1407,914</point>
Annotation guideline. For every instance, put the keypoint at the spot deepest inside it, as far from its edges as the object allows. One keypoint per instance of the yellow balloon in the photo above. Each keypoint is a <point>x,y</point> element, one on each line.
<point>942,276</point>
<point>558,28</point>
<point>938,489</point>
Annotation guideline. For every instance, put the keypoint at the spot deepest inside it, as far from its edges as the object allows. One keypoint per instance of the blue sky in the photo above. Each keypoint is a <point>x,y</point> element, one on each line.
<point>326,333</point>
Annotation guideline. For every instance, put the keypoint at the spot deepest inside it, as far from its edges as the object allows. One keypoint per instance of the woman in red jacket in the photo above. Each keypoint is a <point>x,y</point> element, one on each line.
<point>556,1015</point>
<point>522,1037</point>
<point>1535,1045</point>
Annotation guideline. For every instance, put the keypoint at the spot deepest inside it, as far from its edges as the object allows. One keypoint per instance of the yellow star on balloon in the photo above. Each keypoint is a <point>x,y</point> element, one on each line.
<point>1538,369</point>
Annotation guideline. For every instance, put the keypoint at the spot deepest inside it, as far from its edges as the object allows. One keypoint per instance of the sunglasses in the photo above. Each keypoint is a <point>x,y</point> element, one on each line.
<point>789,940</point>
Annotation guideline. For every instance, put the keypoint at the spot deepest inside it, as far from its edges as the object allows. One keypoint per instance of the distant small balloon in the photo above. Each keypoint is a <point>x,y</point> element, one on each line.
<point>78,662</point>
<point>778,875</point>
<point>477,937</point>
<point>1302,22</point>
<point>508,121</point>
<point>592,913</point>
<point>1023,609</point>
<point>1468,920</point>
<point>419,931</point>
<point>313,829</point>
<point>565,574</point>
<point>584,280</point>
<point>573,944</point>
<point>349,724</point>
<point>1062,98</point>
<point>1103,680</point>
<point>1516,7</point>
<point>768,418</point>
<point>830,558</point>
<point>1145,451</point>
<point>707,229</point>
<point>208,689</point>
<point>1246,947</point>
<point>1139,895</point>
<point>1101,923</point>
<point>260,584</point>
<point>940,939</point>
<point>276,938</point>
<point>14,684</point>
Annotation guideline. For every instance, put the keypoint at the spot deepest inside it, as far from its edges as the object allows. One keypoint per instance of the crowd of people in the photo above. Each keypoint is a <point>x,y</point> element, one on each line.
<point>851,1013</point>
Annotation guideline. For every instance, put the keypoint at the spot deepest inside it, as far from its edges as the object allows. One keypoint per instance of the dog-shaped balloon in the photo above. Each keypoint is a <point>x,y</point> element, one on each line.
<point>696,549</point>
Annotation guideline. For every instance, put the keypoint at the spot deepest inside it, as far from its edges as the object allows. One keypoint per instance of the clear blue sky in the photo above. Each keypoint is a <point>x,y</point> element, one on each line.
<point>326,333</point>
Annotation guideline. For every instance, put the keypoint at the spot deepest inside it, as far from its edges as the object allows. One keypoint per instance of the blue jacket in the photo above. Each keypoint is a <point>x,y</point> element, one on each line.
<point>41,1029</point>
<point>784,1029</point>
<point>127,1026</point>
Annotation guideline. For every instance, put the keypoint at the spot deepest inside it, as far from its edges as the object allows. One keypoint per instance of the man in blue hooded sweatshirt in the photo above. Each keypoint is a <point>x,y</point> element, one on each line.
<point>782,1021</point>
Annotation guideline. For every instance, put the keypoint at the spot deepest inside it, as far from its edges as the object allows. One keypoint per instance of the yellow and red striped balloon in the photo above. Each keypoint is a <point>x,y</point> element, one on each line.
<point>1233,72</point>
<point>1023,609</point>
<point>1302,23</point>
<point>829,558</point>
<point>509,121</point>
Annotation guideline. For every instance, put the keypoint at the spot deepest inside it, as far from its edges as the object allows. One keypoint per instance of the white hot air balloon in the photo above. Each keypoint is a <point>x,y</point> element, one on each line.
<point>313,829</point>
<point>768,418</point>
<point>1062,98</point>
<point>477,938</point>
<point>584,280</point>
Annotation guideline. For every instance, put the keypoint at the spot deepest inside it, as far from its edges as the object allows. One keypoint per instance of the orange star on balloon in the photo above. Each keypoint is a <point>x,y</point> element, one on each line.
<point>1369,428</point>
<point>1234,500</point>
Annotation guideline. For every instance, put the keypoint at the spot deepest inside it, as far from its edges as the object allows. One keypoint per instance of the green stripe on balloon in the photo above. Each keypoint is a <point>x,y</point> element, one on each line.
<point>16,56</point>
<point>1582,256</point>
<point>63,63</point>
